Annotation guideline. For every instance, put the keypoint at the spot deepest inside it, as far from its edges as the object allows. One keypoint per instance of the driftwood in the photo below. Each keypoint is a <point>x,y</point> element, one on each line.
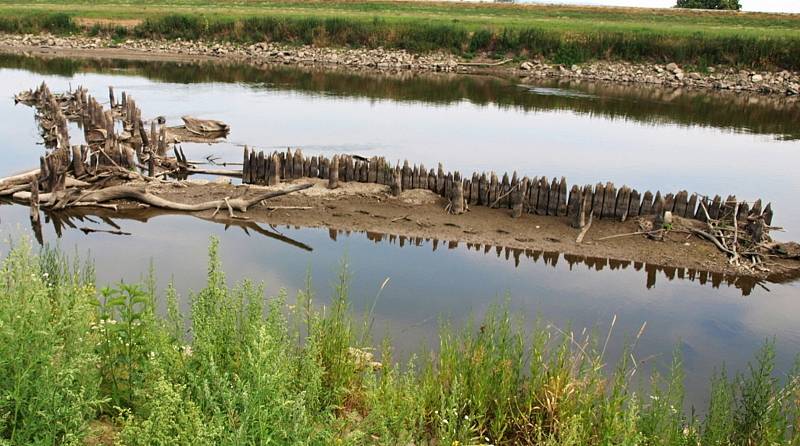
<point>140,194</point>
<point>205,126</point>
<point>585,229</point>
<point>219,172</point>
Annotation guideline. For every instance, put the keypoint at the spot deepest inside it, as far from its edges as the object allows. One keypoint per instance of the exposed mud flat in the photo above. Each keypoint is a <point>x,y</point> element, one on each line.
<point>420,214</point>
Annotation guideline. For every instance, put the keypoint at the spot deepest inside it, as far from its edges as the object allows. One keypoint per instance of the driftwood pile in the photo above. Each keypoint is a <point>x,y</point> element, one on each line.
<point>112,165</point>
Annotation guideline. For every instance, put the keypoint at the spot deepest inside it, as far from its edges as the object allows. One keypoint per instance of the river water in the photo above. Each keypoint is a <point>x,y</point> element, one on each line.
<point>649,139</point>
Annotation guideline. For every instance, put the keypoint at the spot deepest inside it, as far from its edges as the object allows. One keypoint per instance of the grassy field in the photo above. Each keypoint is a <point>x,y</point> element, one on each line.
<point>564,34</point>
<point>81,366</point>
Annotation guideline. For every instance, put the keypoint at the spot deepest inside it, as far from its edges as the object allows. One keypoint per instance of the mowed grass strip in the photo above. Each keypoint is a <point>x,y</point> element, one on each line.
<point>562,34</point>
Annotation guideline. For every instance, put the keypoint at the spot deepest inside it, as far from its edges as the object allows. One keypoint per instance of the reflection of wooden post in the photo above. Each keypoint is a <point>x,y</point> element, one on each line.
<point>36,223</point>
<point>333,174</point>
<point>35,200</point>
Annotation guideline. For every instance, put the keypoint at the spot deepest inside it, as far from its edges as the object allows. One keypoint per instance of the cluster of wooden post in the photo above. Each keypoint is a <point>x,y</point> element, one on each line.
<point>539,195</point>
<point>51,118</point>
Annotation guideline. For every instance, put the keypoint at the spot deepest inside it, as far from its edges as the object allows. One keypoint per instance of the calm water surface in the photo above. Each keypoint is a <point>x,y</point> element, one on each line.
<point>658,140</point>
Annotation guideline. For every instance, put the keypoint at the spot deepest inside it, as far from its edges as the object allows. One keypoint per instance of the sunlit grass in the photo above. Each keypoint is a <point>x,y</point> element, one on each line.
<point>256,371</point>
<point>563,34</point>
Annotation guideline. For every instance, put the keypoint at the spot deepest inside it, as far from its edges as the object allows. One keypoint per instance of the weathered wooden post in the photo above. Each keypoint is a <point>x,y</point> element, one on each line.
<point>691,206</point>
<point>297,164</point>
<point>406,182</point>
<point>274,170</point>
<point>768,214</point>
<point>440,177</point>
<point>111,100</point>
<point>503,192</point>
<point>457,196</point>
<point>246,166</point>
<point>372,176</point>
<point>517,195</point>
<point>574,201</point>
<point>397,182</point>
<point>659,211</point>
<point>260,169</point>
<point>333,178</point>
<point>77,162</point>
<point>314,169</point>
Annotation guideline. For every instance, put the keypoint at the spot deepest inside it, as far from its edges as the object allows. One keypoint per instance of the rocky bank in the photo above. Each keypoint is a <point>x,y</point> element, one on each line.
<point>777,83</point>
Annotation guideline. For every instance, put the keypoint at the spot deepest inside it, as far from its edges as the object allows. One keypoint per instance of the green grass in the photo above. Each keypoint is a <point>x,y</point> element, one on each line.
<point>563,34</point>
<point>267,372</point>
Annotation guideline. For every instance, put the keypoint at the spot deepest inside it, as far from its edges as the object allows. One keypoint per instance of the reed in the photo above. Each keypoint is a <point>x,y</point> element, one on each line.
<point>258,371</point>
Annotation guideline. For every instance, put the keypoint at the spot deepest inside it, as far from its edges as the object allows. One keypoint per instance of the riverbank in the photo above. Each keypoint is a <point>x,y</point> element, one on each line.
<point>85,365</point>
<point>781,84</point>
<point>561,34</point>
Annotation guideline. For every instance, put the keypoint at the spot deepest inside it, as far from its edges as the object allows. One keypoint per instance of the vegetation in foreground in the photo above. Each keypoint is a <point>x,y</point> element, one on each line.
<point>296,374</point>
<point>559,33</point>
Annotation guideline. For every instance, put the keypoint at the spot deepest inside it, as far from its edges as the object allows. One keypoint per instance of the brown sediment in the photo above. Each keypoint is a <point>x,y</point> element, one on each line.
<point>420,214</point>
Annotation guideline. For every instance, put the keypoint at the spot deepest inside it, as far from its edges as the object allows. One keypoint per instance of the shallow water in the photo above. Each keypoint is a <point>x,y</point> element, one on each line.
<point>589,133</point>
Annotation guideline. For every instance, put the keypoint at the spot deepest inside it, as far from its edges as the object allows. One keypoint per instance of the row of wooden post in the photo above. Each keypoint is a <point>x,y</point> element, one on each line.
<point>540,195</point>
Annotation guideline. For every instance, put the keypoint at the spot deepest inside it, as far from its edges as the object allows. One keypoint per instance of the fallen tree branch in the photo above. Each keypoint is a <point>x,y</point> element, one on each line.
<point>713,240</point>
<point>140,194</point>
<point>220,172</point>
<point>585,229</point>
<point>629,234</point>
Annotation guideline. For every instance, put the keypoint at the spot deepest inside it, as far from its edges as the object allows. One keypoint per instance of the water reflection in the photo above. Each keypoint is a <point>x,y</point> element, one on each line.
<point>110,221</point>
<point>767,115</point>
